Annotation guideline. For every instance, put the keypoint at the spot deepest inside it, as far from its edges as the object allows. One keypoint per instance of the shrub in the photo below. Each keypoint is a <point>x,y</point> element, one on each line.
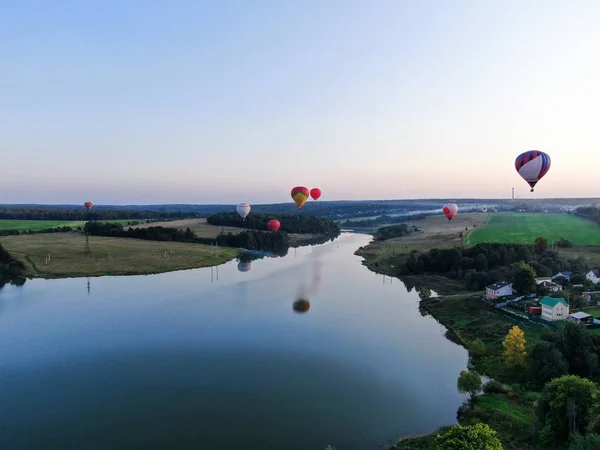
<point>494,387</point>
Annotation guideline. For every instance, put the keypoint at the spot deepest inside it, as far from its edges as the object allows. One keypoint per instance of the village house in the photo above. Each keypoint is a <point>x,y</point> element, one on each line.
<point>581,317</point>
<point>498,289</point>
<point>554,309</point>
<point>593,275</point>
<point>566,275</point>
<point>554,287</point>
<point>542,279</point>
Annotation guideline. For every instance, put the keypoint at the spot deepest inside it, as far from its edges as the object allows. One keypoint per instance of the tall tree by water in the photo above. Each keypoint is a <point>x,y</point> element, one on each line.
<point>514,347</point>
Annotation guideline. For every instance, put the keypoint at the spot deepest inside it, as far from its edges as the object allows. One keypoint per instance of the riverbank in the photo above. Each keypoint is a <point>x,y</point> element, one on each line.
<point>110,256</point>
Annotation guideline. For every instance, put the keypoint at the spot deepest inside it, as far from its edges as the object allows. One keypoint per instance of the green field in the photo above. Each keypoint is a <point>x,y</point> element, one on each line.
<point>523,228</point>
<point>22,225</point>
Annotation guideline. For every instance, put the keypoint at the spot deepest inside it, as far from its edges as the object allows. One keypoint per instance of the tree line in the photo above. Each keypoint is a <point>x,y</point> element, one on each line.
<point>40,213</point>
<point>249,239</point>
<point>394,231</point>
<point>10,267</point>
<point>487,263</point>
<point>289,223</point>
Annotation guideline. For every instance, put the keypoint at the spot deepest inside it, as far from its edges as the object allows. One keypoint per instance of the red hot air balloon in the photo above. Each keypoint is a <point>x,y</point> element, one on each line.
<point>88,205</point>
<point>450,210</point>
<point>315,193</point>
<point>273,225</point>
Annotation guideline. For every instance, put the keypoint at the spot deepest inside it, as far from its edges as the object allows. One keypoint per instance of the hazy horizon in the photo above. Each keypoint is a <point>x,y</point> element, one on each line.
<point>205,103</point>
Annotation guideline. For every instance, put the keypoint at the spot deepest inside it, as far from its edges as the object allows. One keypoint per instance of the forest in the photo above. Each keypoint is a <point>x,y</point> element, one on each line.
<point>44,213</point>
<point>289,223</point>
<point>249,239</point>
<point>10,267</point>
<point>589,213</point>
<point>394,231</point>
<point>487,263</point>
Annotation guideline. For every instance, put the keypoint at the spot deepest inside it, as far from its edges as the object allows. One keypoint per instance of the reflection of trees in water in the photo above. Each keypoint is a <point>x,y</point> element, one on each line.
<point>15,281</point>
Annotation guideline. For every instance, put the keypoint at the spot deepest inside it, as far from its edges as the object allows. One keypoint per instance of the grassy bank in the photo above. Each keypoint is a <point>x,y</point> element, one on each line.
<point>110,256</point>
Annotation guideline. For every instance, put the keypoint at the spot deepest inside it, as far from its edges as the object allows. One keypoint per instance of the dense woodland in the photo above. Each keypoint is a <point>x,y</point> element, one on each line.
<point>289,223</point>
<point>10,267</point>
<point>252,240</point>
<point>588,212</point>
<point>394,231</point>
<point>42,213</point>
<point>484,264</point>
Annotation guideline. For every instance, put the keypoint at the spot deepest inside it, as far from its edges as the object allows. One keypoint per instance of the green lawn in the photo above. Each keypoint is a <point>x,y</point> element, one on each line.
<point>523,228</point>
<point>36,224</point>
<point>593,311</point>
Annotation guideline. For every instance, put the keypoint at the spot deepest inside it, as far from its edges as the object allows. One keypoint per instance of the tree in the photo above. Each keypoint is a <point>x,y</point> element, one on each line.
<point>475,437</point>
<point>524,278</point>
<point>469,383</point>
<point>514,347</point>
<point>566,407</point>
<point>540,245</point>
<point>547,363</point>
<point>577,301</point>
<point>477,348</point>
<point>588,442</point>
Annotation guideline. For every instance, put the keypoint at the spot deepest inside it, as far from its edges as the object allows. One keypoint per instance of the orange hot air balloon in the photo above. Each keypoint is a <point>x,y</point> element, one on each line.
<point>300,195</point>
<point>273,225</point>
<point>301,306</point>
<point>450,210</point>
<point>315,193</point>
<point>88,205</point>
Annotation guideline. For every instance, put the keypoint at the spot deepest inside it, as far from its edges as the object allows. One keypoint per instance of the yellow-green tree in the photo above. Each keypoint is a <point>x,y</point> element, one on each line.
<point>514,347</point>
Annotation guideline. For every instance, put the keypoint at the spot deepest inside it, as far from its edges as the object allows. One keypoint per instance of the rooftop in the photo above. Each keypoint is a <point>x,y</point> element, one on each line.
<point>498,285</point>
<point>552,302</point>
<point>580,315</point>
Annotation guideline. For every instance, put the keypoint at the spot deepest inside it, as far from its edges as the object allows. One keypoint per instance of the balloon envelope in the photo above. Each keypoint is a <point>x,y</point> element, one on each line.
<point>300,195</point>
<point>301,306</point>
<point>88,205</point>
<point>450,210</point>
<point>315,193</point>
<point>243,209</point>
<point>273,225</point>
<point>244,266</point>
<point>532,165</point>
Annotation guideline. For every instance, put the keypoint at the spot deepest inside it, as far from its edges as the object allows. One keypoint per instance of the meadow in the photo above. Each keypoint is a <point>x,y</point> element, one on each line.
<point>110,256</point>
<point>523,228</point>
<point>25,225</point>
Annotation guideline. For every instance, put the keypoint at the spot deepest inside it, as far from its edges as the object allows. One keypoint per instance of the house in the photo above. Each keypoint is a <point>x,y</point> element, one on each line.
<point>542,279</point>
<point>554,287</point>
<point>566,275</point>
<point>554,309</point>
<point>593,275</point>
<point>498,289</point>
<point>581,317</point>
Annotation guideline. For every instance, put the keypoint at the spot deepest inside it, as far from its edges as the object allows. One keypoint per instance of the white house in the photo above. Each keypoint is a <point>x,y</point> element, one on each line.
<point>593,275</point>
<point>499,289</point>
<point>554,287</point>
<point>542,279</point>
<point>554,309</point>
<point>566,275</point>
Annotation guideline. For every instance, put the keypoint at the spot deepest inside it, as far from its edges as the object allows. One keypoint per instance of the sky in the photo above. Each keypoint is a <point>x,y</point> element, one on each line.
<point>198,101</point>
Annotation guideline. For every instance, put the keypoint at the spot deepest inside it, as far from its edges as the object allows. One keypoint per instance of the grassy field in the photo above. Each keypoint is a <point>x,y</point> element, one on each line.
<point>110,256</point>
<point>37,224</point>
<point>523,228</point>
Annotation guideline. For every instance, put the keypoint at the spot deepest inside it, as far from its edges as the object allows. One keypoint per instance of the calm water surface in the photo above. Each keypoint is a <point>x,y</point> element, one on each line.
<point>189,360</point>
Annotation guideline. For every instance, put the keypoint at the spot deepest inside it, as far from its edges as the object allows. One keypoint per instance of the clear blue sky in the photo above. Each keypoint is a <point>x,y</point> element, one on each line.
<point>197,101</point>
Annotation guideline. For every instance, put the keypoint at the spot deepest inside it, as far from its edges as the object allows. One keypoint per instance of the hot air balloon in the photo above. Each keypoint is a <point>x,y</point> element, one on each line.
<point>88,205</point>
<point>273,225</point>
<point>450,210</point>
<point>300,195</point>
<point>243,209</point>
<point>244,266</point>
<point>301,306</point>
<point>315,193</point>
<point>532,166</point>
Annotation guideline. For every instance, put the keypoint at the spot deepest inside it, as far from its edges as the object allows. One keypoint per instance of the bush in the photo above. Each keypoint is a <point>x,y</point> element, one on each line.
<point>494,387</point>
<point>477,348</point>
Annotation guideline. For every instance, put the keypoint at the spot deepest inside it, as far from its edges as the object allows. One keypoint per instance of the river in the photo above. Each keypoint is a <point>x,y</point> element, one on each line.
<point>218,359</point>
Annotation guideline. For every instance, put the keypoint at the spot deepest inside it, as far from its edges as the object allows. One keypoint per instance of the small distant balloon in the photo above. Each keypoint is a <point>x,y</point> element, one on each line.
<point>315,193</point>
<point>532,166</point>
<point>300,195</point>
<point>273,225</point>
<point>450,210</point>
<point>301,306</point>
<point>88,205</point>
<point>243,209</point>
<point>244,266</point>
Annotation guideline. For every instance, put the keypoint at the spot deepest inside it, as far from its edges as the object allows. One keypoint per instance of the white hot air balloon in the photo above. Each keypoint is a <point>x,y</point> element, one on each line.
<point>243,209</point>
